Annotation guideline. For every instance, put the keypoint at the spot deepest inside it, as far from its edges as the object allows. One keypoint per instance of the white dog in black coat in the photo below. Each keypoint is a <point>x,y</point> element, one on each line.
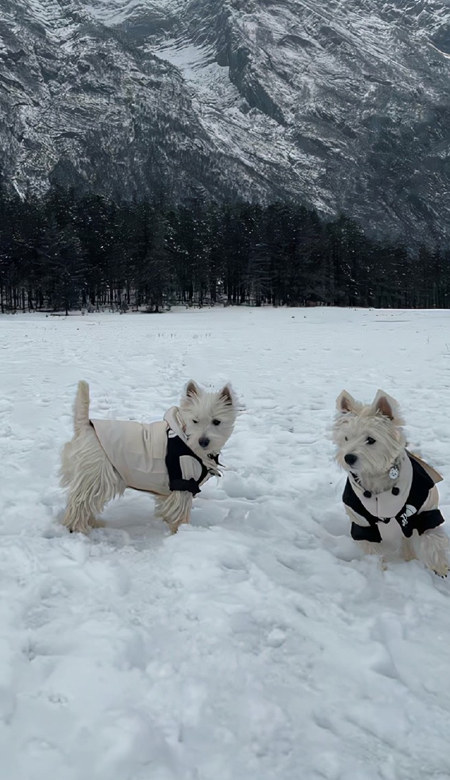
<point>387,484</point>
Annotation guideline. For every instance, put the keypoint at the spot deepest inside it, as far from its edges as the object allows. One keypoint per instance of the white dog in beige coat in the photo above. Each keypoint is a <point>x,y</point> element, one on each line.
<point>171,459</point>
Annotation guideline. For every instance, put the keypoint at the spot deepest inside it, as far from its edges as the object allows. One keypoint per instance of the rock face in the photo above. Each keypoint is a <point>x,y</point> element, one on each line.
<point>344,104</point>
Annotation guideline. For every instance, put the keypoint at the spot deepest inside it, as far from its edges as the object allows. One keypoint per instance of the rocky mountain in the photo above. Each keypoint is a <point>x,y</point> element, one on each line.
<point>344,104</point>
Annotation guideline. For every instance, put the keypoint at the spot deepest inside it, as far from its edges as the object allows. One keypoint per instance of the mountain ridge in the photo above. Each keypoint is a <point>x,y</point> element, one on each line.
<point>343,104</point>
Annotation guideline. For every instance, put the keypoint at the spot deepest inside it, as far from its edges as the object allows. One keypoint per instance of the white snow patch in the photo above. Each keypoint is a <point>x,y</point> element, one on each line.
<point>257,643</point>
<point>113,13</point>
<point>200,70</point>
<point>444,54</point>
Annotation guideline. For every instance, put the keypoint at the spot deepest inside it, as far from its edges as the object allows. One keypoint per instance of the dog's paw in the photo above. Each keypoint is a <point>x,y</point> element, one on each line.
<point>175,526</point>
<point>441,571</point>
<point>96,523</point>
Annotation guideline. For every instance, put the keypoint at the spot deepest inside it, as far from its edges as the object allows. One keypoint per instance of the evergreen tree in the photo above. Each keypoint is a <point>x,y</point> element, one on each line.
<point>64,251</point>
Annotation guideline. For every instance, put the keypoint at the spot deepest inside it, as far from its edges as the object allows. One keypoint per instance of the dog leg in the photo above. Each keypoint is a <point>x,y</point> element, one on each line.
<point>87,472</point>
<point>87,498</point>
<point>175,509</point>
<point>373,548</point>
<point>95,522</point>
<point>408,551</point>
<point>370,548</point>
<point>79,516</point>
<point>432,549</point>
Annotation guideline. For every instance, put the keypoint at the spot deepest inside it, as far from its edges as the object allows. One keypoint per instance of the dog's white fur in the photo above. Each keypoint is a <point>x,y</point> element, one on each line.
<point>381,421</point>
<point>92,480</point>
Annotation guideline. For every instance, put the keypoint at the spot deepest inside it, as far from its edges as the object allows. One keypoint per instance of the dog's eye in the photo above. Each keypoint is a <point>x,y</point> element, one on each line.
<point>216,422</point>
<point>195,421</point>
<point>369,440</point>
<point>345,437</point>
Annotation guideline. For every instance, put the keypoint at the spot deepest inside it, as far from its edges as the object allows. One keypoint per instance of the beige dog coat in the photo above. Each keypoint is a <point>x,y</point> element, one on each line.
<point>154,457</point>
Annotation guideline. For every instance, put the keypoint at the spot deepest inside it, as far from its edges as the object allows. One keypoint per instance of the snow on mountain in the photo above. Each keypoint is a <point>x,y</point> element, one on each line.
<point>342,104</point>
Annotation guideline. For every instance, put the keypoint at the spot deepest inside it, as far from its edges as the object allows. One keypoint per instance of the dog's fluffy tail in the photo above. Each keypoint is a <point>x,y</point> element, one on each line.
<point>81,408</point>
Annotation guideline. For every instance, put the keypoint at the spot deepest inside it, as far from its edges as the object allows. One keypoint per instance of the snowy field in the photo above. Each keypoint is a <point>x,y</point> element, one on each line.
<point>256,644</point>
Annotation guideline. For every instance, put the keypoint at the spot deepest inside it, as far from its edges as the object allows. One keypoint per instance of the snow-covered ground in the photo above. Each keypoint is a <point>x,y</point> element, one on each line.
<point>256,644</point>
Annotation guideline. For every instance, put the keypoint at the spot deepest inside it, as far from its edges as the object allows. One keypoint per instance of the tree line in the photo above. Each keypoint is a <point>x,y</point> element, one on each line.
<point>63,252</point>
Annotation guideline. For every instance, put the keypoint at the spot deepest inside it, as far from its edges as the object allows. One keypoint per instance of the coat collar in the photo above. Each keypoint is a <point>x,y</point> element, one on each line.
<point>174,420</point>
<point>390,502</point>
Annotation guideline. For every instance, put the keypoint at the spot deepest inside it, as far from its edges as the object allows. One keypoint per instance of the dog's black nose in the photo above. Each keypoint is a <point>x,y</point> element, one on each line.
<point>351,459</point>
<point>203,442</point>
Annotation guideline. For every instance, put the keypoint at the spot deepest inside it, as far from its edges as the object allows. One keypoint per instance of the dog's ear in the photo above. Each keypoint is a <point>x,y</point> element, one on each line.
<point>192,390</point>
<point>388,406</point>
<point>346,403</point>
<point>227,395</point>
